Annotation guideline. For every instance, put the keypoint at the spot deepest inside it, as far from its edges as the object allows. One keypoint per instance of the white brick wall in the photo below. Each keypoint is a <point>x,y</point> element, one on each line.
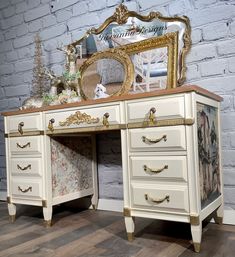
<point>211,63</point>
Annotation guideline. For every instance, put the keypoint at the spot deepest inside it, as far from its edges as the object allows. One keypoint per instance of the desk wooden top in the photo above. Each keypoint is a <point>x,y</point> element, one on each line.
<point>163,92</point>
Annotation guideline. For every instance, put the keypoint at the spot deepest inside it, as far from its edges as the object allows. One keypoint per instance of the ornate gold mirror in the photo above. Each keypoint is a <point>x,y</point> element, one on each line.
<point>106,74</point>
<point>127,27</point>
<point>155,63</point>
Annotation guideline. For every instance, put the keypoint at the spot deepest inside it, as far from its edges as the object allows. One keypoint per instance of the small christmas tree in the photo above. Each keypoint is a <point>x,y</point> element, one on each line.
<point>39,81</point>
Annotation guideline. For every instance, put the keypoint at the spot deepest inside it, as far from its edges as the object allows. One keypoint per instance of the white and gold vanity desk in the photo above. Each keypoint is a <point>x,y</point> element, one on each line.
<point>165,174</point>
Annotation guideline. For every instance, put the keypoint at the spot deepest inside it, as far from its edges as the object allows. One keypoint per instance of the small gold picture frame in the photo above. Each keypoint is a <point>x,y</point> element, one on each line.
<point>168,41</point>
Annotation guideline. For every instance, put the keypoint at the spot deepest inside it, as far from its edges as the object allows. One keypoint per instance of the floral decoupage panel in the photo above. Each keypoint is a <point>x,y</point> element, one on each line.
<point>208,152</point>
<point>71,164</point>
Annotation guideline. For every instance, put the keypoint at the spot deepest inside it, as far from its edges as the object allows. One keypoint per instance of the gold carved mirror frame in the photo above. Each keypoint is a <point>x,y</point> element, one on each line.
<point>118,55</point>
<point>169,41</point>
<point>121,16</point>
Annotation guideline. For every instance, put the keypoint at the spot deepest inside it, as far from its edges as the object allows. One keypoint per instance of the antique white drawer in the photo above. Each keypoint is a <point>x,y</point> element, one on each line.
<point>26,166</point>
<point>24,188</point>
<point>165,108</point>
<point>104,116</point>
<point>158,139</point>
<point>24,123</point>
<point>25,145</point>
<point>158,196</point>
<point>155,167</point>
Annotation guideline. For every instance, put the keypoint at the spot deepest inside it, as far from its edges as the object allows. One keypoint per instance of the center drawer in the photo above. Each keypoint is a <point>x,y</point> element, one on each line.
<point>158,139</point>
<point>105,116</point>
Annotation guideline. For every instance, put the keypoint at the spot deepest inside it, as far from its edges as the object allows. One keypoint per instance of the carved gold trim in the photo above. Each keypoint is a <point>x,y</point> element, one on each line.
<point>118,55</point>
<point>162,123</point>
<point>194,220</point>
<point>86,129</point>
<point>189,121</point>
<point>78,118</point>
<point>127,212</point>
<point>159,123</point>
<point>28,133</point>
<point>121,15</point>
<point>8,199</point>
<point>44,203</point>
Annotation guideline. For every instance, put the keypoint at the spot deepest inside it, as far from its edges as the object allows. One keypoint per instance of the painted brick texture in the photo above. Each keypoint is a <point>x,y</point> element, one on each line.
<point>211,64</point>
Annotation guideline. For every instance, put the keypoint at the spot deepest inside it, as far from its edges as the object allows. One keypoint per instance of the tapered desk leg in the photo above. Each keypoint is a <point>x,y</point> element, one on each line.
<point>12,211</point>
<point>218,215</point>
<point>94,201</point>
<point>47,213</point>
<point>130,228</point>
<point>95,197</point>
<point>196,231</point>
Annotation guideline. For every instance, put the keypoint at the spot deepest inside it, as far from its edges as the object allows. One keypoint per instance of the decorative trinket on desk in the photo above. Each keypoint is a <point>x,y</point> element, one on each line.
<point>39,81</point>
<point>66,96</point>
<point>100,91</point>
<point>32,102</point>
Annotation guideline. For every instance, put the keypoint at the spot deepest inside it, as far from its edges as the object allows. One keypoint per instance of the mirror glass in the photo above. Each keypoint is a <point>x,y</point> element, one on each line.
<point>102,78</point>
<point>150,69</point>
<point>125,27</point>
<point>134,30</point>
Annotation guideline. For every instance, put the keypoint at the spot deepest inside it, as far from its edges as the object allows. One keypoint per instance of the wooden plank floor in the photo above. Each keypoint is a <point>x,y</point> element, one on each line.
<point>88,233</point>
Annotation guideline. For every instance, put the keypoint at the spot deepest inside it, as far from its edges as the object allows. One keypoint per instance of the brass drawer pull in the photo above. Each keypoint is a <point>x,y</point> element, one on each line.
<point>25,168</point>
<point>105,120</point>
<point>157,201</point>
<point>149,170</point>
<point>50,124</point>
<point>152,117</point>
<point>20,127</point>
<point>23,146</point>
<point>25,190</point>
<point>153,141</point>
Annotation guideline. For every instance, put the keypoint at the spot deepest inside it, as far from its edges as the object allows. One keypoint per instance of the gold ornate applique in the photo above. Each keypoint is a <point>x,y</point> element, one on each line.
<point>121,14</point>
<point>78,118</point>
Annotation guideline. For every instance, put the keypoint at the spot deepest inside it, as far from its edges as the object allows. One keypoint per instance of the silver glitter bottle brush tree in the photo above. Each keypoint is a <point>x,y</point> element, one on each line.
<point>40,79</point>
